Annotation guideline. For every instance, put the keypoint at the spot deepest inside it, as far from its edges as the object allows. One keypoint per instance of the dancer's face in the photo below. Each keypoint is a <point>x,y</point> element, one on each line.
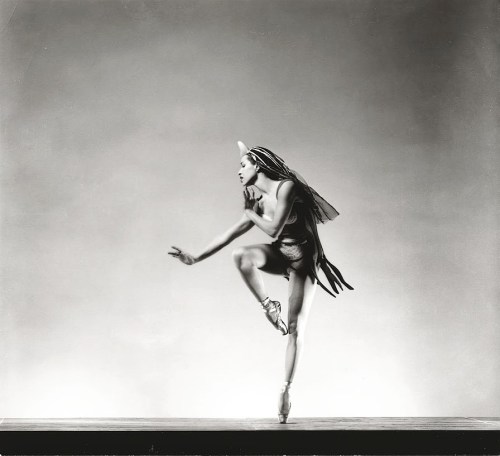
<point>247,172</point>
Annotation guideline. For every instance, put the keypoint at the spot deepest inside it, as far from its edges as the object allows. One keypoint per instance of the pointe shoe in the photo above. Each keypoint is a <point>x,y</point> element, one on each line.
<point>285,404</point>
<point>272,309</point>
<point>283,417</point>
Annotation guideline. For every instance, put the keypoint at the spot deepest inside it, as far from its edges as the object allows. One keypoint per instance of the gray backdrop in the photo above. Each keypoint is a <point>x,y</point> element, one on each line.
<point>119,122</point>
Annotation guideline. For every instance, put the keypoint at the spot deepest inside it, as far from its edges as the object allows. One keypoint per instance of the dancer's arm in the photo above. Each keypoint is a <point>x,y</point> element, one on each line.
<point>239,228</point>
<point>286,198</point>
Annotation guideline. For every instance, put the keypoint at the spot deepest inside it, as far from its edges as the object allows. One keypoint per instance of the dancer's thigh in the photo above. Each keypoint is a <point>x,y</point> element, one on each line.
<point>301,290</point>
<point>265,258</point>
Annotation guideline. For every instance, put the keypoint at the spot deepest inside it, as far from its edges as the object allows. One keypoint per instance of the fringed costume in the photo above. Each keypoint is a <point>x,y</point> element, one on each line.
<point>299,238</point>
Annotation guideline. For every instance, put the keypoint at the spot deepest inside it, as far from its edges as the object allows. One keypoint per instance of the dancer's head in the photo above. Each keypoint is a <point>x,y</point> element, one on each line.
<point>260,159</point>
<point>272,165</point>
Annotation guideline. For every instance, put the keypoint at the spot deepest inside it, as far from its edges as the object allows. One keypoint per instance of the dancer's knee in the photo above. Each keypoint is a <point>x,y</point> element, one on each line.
<point>295,331</point>
<point>241,258</point>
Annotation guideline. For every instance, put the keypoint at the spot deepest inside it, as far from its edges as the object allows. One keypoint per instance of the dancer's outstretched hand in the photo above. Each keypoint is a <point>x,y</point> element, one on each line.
<point>251,202</point>
<point>182,256</point>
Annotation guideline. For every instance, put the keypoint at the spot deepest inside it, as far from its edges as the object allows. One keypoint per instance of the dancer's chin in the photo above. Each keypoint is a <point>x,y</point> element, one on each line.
<point>248,183</point>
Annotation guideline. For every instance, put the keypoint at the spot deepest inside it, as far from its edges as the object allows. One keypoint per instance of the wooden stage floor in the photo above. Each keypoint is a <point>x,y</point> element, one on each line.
<point>408,435</point>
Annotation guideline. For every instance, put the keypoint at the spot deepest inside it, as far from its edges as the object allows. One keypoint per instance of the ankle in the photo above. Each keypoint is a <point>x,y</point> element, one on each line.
<point>268,305</point>
<point>265,302</point>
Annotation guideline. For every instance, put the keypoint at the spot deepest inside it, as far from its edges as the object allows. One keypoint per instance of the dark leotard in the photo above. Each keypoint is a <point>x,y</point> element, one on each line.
<point>300,247</point>
<point>293,243</point>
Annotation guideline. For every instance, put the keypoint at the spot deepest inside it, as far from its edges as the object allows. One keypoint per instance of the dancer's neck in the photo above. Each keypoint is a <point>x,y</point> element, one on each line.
<point>265,185</point>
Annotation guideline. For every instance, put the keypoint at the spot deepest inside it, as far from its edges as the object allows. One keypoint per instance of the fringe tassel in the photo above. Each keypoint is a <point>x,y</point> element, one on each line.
<point>320,284</point>
<point>336,271</point>
<point>334,277</point>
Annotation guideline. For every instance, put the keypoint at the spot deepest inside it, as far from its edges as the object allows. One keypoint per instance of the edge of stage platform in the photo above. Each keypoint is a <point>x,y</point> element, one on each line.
<point>84,436</point>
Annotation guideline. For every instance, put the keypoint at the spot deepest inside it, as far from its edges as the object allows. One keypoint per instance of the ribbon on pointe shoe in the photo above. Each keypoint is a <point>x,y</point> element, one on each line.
<point>272,309</point>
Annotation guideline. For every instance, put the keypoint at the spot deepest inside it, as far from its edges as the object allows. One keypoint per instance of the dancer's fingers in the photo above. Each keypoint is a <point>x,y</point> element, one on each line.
<point>177,253</point>
<point>176,248</point>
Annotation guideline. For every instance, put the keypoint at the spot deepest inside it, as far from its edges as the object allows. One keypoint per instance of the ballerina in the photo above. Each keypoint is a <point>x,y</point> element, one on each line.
<point>287,209</point>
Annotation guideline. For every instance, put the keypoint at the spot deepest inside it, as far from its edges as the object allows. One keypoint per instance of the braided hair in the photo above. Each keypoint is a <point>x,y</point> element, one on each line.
<point>274,167</point>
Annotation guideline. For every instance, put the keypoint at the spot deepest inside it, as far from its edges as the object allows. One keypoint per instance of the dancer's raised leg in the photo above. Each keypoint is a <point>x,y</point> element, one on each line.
<point>250,261</point>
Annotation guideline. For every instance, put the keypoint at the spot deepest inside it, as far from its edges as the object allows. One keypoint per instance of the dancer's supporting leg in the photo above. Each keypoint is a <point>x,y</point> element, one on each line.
<point>301,293</point>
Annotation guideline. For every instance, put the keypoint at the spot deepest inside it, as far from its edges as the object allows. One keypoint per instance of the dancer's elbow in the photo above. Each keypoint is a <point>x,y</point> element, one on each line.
<point>274,231</point>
